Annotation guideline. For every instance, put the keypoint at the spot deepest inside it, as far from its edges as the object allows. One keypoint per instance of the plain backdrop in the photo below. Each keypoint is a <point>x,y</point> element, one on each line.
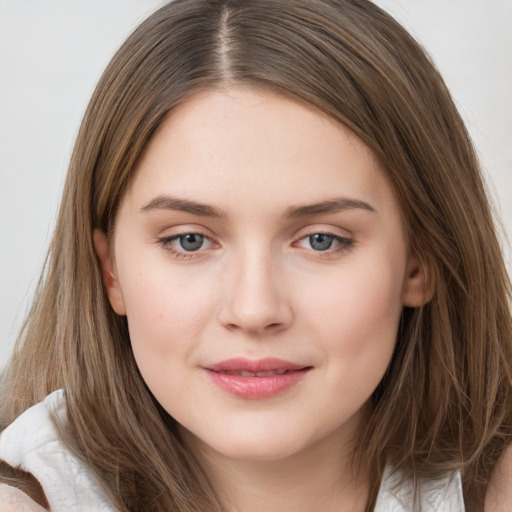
<point>52,53</point>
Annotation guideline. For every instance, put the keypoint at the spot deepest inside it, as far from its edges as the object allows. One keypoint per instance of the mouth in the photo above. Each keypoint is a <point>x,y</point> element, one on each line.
<point>249,379</point>
<point>244,373</point>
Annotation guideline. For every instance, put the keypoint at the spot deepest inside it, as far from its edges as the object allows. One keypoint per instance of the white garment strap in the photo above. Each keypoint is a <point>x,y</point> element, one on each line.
<point>443,495</point>
<point>32,443</point>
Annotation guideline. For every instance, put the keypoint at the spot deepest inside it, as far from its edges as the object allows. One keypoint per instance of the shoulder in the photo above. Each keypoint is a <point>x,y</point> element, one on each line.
<point>499,492</point>
<point>14,500</point>
<point>15,481</point>
<point>32,444</point>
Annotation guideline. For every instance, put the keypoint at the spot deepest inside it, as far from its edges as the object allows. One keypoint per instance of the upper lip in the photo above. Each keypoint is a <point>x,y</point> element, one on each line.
<point>255,366</point>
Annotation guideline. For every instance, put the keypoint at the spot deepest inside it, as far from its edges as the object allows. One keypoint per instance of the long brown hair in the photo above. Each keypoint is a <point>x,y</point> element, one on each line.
<point>445,402</point>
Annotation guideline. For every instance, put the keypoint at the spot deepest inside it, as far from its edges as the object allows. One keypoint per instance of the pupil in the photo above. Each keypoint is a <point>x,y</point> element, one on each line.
<point>191,242</point>
<point>320,242</point>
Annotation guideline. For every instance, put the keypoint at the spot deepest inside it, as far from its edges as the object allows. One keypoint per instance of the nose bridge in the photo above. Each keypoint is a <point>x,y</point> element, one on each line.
<point>255,301</point>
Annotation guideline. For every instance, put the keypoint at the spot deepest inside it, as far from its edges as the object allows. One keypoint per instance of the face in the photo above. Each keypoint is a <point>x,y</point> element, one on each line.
<point>261,262</point>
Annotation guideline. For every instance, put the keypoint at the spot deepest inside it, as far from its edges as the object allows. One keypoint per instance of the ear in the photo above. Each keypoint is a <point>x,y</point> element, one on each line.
<point>110,281</point>
<point>418,288</point>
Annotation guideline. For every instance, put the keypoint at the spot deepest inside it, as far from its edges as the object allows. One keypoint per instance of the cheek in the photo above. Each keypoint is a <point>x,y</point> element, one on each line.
<point>358,320</point>
<point>356,327</point>
<point>166,313</point>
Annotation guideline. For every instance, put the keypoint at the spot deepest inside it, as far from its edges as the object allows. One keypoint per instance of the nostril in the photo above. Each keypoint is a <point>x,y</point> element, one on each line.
<point>255,317</point>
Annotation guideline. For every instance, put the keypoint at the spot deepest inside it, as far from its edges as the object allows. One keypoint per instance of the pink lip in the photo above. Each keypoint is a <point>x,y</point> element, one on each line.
<point>256,387</point>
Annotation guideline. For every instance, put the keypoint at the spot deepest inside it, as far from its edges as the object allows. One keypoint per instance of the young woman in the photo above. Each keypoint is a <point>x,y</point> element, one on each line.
<point>274,283</point>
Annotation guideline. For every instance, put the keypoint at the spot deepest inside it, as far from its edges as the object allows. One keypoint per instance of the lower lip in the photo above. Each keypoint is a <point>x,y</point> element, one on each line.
<point>257,387</point>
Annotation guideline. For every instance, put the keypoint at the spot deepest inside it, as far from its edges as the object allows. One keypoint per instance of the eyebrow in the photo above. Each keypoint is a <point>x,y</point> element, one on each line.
<point>183,205</point>
<point>329,206</point>
<point>164,202</point>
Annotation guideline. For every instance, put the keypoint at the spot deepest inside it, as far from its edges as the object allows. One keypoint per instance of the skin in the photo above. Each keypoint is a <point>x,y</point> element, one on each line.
<point>499,492</point>
<point>257,288</point>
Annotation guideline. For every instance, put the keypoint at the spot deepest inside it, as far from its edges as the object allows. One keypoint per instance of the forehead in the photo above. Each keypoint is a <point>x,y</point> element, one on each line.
<point>248,143</point>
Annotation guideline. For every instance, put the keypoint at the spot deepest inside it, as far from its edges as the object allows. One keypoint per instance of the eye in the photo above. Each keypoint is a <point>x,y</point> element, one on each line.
<point>191,241</point>
<point>321,242</point>
<point>184,245</point>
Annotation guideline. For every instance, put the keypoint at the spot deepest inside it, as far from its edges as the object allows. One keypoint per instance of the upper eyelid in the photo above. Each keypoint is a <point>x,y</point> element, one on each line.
<point>331,230</point>
<point>185,233</point>
<point>313,227</point>
<point>324,232</point>
<point>181,230</point>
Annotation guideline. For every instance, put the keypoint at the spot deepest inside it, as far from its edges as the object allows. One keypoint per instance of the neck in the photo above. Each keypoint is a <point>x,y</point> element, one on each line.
<point>317,478</point>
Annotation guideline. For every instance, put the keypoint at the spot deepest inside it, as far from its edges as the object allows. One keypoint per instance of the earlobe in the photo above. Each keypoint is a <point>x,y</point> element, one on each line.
<point>109,278</point>
<point>418,286</point>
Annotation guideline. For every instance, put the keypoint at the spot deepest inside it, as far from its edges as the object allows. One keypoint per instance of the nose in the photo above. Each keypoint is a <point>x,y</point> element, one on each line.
<point>255,299</point>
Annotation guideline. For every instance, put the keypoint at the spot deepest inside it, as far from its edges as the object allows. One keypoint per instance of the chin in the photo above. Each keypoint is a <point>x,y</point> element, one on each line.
<point>258,452</point>
<point>267,445</point>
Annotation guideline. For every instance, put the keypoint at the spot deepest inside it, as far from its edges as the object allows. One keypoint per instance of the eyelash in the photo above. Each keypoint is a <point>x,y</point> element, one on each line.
<point>166,243</point>
<point>343,244</point>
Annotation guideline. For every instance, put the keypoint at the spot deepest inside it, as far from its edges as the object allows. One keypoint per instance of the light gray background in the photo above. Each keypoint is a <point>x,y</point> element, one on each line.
<point>52,53</point>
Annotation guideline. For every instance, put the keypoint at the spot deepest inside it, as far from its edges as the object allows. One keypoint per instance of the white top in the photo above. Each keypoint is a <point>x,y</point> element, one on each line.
<point>32,443</point>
